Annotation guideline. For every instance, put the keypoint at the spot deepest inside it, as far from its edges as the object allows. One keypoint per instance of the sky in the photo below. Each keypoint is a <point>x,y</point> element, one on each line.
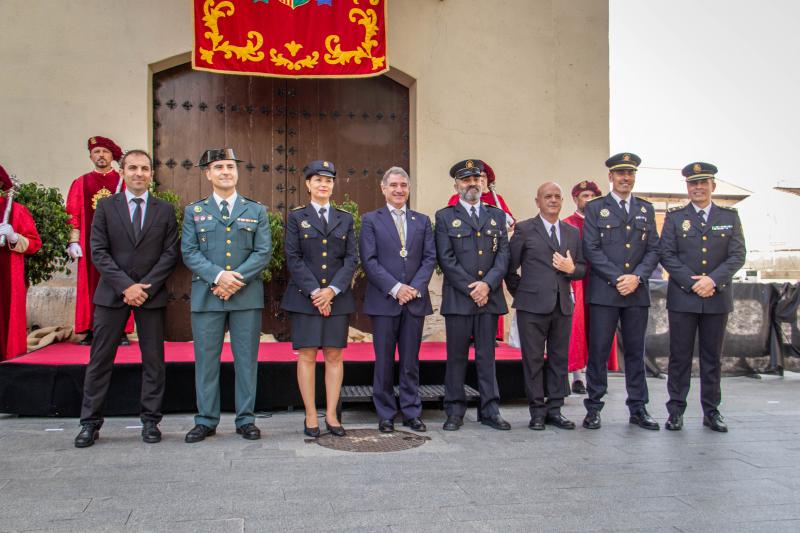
<point>709,80</point>
<point>716,81</point>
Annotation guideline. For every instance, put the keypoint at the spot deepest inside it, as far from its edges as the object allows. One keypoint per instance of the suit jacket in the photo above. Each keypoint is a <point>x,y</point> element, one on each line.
<point>690,247</point>
<point>540,285</point>
<point>317,258</point>
<point>469,252</point>
<point>615,245</point>
<point>123,260</point>
<point>379,248</point>
<point>211,244</point>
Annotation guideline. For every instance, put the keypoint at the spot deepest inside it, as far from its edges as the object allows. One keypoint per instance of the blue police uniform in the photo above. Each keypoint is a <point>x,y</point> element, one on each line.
<point>616,243</point>
<point>711,244</point>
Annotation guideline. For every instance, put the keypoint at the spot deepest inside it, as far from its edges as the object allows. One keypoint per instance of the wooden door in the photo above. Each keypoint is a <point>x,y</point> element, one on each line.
<point>275,126</point>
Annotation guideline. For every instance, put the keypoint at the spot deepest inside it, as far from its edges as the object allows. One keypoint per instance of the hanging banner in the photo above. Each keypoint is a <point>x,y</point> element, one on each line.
<point>291,38</point>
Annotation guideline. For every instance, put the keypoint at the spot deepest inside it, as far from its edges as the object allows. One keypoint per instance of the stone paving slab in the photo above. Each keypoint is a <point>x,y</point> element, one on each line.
<point>619,478</point>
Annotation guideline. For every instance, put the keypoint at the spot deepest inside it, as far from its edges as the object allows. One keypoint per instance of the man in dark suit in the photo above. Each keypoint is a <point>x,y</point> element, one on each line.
<point>620,241</point>
<point>134,247</point>
<point>398,254</point>
<point>549,252</point>
<point>702,247</point>
<point>472,249</point>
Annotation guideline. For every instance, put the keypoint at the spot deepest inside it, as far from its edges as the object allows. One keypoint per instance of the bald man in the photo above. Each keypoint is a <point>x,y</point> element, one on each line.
<point>549,254</point>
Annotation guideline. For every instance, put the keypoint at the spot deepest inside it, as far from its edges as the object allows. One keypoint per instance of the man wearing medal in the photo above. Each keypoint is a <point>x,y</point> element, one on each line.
<point>398,254</point>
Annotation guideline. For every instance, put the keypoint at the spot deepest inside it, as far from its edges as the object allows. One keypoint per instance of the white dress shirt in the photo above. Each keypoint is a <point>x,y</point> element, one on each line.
<point>132,205</point>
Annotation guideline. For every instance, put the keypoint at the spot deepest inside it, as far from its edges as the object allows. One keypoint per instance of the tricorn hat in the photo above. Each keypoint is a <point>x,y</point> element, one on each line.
<point>217,154</point>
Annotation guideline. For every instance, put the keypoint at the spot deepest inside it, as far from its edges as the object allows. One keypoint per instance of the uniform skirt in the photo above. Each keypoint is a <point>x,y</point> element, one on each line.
<point>317,331</point>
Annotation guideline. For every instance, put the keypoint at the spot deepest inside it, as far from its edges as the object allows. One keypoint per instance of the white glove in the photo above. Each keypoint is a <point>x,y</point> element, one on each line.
<point>74,250</point>
<point>8,231</point>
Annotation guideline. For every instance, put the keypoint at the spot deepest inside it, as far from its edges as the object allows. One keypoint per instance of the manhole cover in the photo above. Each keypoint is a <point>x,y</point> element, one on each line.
<point>372,440</point>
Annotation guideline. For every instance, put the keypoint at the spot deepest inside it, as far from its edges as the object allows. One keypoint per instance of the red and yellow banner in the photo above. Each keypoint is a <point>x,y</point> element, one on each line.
<point>291,38</point>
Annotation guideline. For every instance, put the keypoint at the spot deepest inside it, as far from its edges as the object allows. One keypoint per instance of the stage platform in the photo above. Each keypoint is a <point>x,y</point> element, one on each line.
<point>49,382</point>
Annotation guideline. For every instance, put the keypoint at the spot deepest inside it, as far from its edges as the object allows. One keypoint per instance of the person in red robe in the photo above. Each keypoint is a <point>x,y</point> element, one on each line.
<point>21,239</point>
<point>489,196</point>
<point>84,193</point>
<point>583,193</point>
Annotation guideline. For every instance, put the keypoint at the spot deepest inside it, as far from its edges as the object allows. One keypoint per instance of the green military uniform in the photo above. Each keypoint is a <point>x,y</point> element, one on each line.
<point>211,244</point>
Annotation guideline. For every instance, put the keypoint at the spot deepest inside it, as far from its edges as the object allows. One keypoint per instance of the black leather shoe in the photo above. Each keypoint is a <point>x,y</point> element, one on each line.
<point>87,340</point>
<point>124,341</point>
<point>88,434</point>
<point>536,423</point>
<point>416,424</point>
<point>453,422</point>
<point>311,432</point>
<point>642,419</point>
<point>199,432</point>
<point>674,423</point>
<point>559,421</point>
<point>592,420</point>
<point>496,422</point>
<point>150,432</point>
<point>386,426</point>
<point>715,422</point>
<point>578,387</point>
<point>249,431</point>
<point>336,431</point>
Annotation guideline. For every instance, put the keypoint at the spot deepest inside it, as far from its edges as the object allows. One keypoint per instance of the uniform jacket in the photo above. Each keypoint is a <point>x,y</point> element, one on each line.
<point>536,288</point>
<point>470,252</point>
<point>317,258</point>
<point>691,248</point>
<point>210,245</point>
<point>379,248</point>
<point>615,245</point>
<point>123,260</point>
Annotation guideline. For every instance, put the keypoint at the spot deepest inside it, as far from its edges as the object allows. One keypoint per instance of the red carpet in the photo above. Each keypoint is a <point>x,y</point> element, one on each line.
<point>274,352</point>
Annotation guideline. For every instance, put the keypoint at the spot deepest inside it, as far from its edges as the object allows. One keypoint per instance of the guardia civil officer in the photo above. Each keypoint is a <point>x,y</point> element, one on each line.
<point>620,241</point>
<point>226,243</point>
<point>321,258</point>
<point>472,250</point>
<point>702,247</point>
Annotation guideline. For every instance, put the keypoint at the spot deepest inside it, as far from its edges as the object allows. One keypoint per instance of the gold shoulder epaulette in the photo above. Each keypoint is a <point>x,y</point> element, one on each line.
<point>342,209</point>
<point>676,208</point>
<point>298,208</point>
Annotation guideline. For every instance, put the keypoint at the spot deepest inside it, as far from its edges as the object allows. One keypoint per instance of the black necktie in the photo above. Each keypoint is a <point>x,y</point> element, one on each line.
<point>702,215</point>
<point>323,219</point>
<point>553,236</point>
<point>137,217</point>
<point>474,215</point>
<point>622,204</point>
<point>224,210</point>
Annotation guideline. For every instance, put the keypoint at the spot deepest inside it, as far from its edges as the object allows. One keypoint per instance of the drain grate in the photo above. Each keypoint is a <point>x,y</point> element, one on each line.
<point>372,440</point>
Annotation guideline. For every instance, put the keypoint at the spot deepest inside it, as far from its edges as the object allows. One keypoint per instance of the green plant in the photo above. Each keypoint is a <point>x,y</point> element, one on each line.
<point>47,208</point>
<point>172,198</point>
<point>352,207</point>
<point>276,230</point>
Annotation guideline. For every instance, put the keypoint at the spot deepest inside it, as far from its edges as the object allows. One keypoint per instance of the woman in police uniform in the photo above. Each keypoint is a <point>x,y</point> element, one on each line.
<point>321,258</point>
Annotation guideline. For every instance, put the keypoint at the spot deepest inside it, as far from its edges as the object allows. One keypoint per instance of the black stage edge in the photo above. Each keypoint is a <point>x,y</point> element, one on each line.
<point>56,390</point>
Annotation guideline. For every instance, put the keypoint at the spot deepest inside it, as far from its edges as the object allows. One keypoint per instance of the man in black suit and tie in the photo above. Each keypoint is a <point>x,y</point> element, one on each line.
<point>549,252</point>
<point>702,248</point>
<point>620,241</point>
<point>472,249</point>
<point>135,248</point>
<point>398,254</point>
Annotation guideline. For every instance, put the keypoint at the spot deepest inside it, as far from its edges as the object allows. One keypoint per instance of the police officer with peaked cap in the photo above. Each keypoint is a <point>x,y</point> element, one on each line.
<point>702,247</point>
<point>321,258</point>
<point>472,250</point>
<point>620,242</point>
<point>226,243</point>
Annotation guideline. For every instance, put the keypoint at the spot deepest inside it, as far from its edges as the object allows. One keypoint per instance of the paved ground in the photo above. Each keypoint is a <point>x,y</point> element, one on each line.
<point>619,478</point>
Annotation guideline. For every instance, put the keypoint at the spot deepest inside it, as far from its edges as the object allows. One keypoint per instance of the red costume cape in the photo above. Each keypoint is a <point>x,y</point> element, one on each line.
<point>578,341</point>
<point>488,198</point>
<point>84,193</point>
<point>13,322</point>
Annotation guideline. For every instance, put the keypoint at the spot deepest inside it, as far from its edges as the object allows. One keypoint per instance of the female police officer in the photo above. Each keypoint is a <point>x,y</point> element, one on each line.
<point>321,258</point>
